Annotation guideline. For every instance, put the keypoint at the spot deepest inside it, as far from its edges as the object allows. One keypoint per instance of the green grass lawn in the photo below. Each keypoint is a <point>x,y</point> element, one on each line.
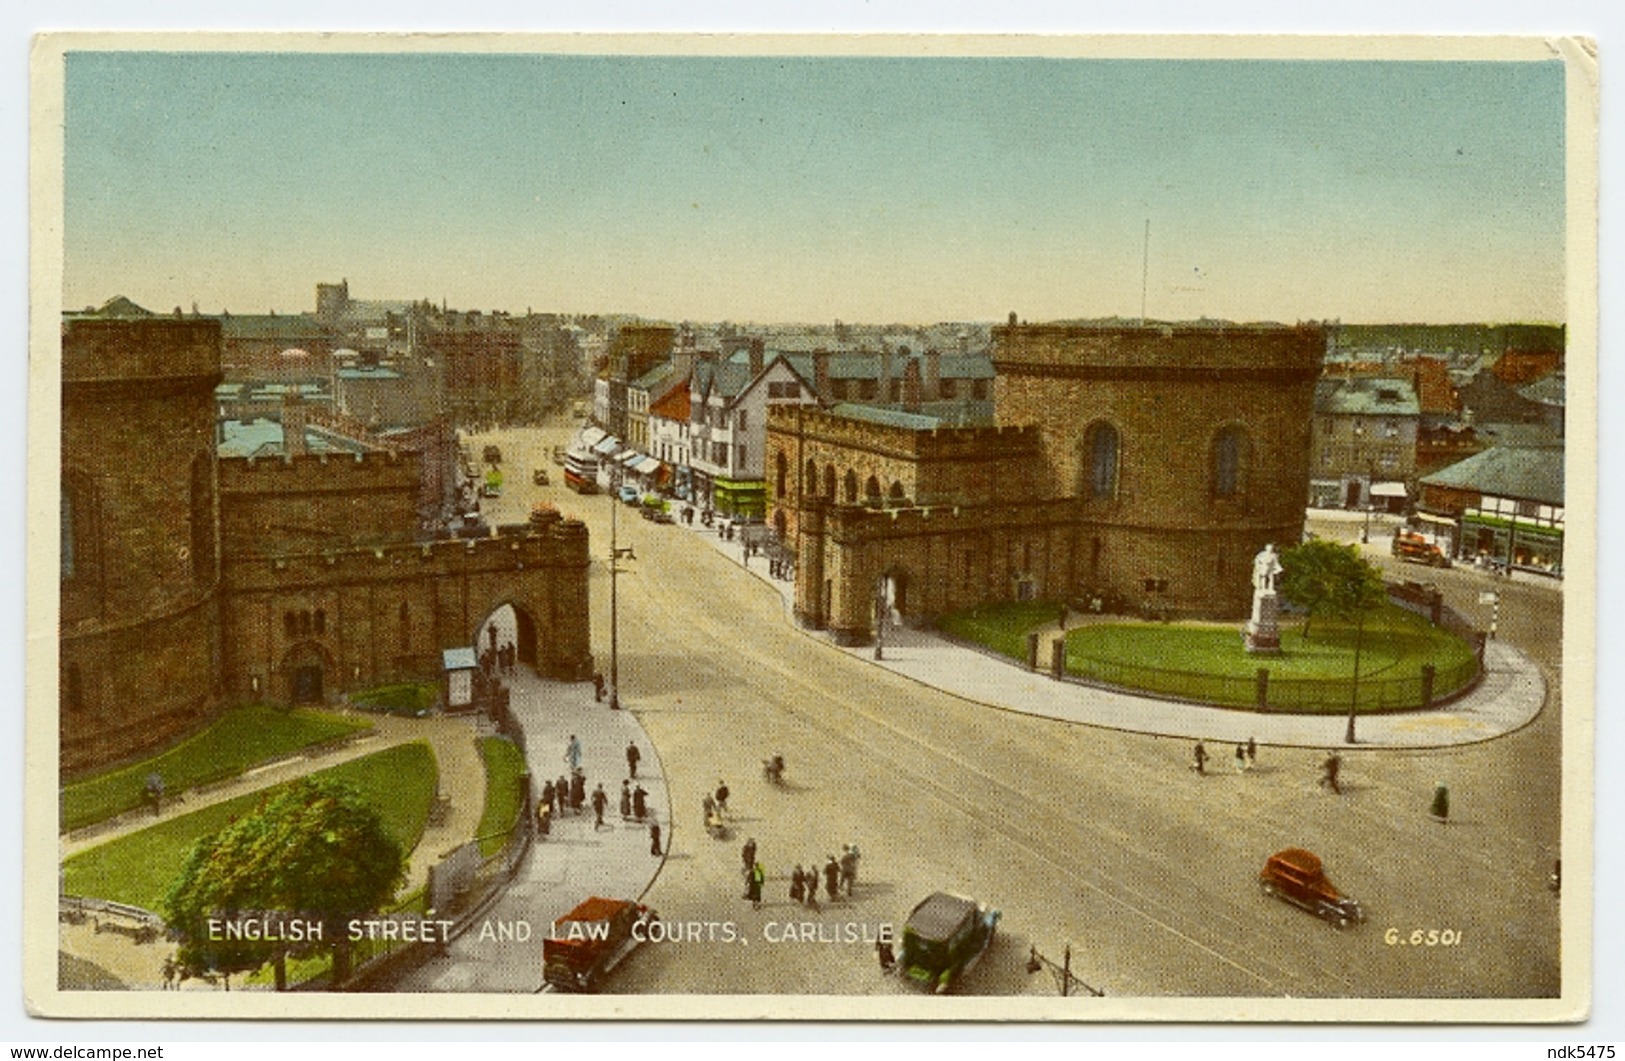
<point>139,868</point>
<point>1209,663</point>
<point>1001,626</point>
<point>503,765</point>
<point>238,740</point>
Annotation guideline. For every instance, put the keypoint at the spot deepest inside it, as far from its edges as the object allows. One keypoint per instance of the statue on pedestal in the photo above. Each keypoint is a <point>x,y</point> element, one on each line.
<point>1263,634</point>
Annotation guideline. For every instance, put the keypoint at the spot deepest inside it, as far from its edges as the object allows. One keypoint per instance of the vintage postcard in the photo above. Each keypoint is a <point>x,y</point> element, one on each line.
<point>878,528</point>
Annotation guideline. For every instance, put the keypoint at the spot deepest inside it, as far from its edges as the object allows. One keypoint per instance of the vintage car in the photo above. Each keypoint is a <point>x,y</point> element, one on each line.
<point>944,937</point>
<point>583,946</point>
<point>492,455</point>
<point>1295,875</point>
<point>539,477</point>
<point>1418,548</point>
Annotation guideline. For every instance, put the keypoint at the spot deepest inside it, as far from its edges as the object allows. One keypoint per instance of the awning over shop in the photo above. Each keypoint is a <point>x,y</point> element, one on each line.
<point>645,466</point>
<point>1428,517</point>
<point>607,446</point>
<point>591,436</point>
<point>1389,490</point>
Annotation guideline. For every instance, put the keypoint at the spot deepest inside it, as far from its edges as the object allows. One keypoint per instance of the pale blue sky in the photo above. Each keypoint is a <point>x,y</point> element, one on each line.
<point>819,188</point>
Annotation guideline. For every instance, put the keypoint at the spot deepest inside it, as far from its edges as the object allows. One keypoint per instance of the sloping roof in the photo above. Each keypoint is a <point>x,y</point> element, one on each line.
<point>889,417</point>
<point>1548,390</point>
<point>269,326</point>
<point>1524,473</point>
<point>1365,397</point>
<point>673,405</point>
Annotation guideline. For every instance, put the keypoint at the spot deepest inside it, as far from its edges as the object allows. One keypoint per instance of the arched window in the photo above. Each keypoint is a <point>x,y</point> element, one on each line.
<point>290,624</point>
<point>851,486</point>
<point>871,489</point>
<point>780,472</point>
<point>1229,462</point>
<point>1101,451</point>
<point>897,491</point>
<point>809,481</point>
<point>829,482</point>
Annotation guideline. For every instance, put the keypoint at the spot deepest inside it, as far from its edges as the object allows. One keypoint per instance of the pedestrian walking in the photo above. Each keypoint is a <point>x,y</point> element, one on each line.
<point>798,884</point>
<point>1329,771</point>
<point>572,754</point>
<point>832,877</point>
<point>1241,758</point>
<point>547,796</point>
<point>626,799</point>
<point>640,804</point>
<point>754,891</point>
<point>709,806</point>
<point>578,791</point>
<point>654,838</point>
<point>561,795</point>
<point>811,881</point>
<point>598,687</point>
<point>599,802</point>
<point>1252,753</point>
<point>722,797</point>
<point>1199,758</point>
<point>887,957</point>
<point>544,818</point>
<point>849,868</point>
<point>632,757</point>
<point>748,854</point>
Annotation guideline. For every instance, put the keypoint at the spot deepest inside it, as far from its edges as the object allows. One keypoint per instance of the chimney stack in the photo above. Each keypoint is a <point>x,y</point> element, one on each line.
<point>883,388</point>
<point>933,375</point>
<point>821,375</point>
<point>293,422</point>
<point>911,385</point>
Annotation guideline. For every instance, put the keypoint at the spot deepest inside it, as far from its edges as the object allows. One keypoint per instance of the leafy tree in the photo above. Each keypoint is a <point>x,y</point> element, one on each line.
<point>314,851</point>
<point>1324,578</point>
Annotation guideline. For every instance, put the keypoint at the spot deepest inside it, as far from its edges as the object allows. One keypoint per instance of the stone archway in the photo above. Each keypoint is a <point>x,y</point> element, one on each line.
<point>305,672</point>
<point>509,625</point>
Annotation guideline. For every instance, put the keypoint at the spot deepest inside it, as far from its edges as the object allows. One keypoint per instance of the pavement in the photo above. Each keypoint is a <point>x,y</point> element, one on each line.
<point>500,951</point>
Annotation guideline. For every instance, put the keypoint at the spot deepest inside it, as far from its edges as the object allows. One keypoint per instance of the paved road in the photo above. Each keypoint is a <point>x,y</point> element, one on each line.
<point>1079,834</point>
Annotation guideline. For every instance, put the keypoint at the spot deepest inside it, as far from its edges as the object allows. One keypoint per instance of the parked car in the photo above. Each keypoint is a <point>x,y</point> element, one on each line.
<point>944,937</point>
<point>1417,548</point>
<point>655,514</point>
<point>1295,875</point>
<point>539,477</point>
<point>586,944</point>
<point>629,495</point>
<point>493,455</point>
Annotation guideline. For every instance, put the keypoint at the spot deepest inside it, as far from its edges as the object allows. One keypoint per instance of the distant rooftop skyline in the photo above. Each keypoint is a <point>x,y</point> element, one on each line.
<point>906,190</point>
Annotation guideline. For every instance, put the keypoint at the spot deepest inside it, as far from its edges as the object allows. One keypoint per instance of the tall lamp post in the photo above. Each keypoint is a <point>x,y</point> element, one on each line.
<point>1354,698</point>
<point>616,555</point>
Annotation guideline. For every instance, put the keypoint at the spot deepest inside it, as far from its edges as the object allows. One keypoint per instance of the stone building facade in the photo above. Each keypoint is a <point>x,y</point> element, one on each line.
<point>191,581</point>
<point>1149,464</point>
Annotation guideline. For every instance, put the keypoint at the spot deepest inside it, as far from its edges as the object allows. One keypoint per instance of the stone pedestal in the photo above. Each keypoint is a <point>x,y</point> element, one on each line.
<point>1264,628</point>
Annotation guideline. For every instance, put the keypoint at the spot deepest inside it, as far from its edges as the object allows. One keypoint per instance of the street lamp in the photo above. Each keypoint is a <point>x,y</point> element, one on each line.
<point>1354,698</point>
<point>616,554</point>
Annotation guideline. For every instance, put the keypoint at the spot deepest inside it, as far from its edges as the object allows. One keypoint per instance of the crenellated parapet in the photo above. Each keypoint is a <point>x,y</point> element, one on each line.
<point>561,545</point>
<point>341,473</point>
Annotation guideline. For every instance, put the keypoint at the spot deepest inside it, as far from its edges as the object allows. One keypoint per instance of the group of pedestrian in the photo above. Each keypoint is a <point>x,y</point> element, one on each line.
<point>500,660</point>
<point>840,877</point>
<point>714,806</point>
<point>781,568</point>
<point>1246,757</point>
<point>569,793</point>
